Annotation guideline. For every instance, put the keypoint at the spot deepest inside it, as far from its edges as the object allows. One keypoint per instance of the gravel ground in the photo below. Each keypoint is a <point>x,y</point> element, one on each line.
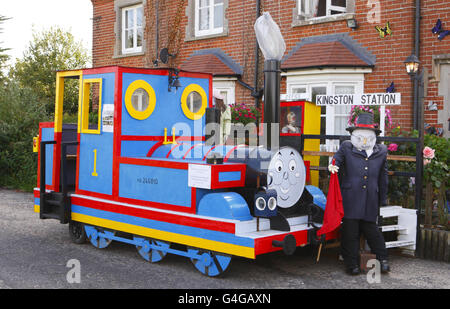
<point>34,254</point>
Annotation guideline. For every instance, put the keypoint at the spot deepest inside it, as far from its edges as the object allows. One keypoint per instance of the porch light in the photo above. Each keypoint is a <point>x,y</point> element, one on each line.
<point>412,65</point>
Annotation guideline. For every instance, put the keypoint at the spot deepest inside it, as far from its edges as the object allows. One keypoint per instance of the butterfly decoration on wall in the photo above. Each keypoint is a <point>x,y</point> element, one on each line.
<point>391,88</point>
<point>384,32</point>
<point>437,29</point>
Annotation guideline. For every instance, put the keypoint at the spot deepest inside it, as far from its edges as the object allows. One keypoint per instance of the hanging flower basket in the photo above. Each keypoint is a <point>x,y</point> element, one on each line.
<point>245,114</point>
<point>375,110</point>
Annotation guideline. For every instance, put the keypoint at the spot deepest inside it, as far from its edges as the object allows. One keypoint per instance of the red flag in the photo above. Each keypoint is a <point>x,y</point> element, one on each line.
<point>334,211</point>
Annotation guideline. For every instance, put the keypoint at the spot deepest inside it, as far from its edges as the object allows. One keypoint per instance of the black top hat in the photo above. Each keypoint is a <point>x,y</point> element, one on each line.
<point>365,121</point>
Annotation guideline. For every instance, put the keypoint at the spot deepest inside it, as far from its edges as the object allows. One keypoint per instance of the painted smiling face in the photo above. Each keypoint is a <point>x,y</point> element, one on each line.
<point>287,175</point>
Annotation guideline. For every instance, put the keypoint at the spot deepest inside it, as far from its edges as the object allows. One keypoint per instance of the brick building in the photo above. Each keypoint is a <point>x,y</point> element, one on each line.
<point>323,55</point>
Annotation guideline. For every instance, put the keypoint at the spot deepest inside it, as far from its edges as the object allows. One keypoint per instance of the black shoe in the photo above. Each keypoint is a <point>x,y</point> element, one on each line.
<point>384,265</point>
<point>353,271</point>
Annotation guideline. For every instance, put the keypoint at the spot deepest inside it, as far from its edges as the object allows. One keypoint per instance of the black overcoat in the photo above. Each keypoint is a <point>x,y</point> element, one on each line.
<point>363,180</point>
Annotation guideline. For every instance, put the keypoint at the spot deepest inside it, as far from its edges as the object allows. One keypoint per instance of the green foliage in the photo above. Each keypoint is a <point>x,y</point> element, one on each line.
<point>436,170</point>
<point>20,114</point>
<point>3,57</point>
<point>241,113</point>
<point>50,51</point>
<point>27,97</point>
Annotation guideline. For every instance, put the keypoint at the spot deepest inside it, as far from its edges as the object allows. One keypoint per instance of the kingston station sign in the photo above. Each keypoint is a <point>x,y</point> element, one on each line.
<point>359,99</point>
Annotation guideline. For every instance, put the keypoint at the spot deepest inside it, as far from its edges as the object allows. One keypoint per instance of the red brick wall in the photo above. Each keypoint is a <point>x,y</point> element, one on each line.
<point>240,42</point>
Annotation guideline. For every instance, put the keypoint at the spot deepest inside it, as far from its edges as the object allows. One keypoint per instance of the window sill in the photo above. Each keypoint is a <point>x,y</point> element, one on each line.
<point>129,55</point>
<point>204,37</point>
<point>298,22</point>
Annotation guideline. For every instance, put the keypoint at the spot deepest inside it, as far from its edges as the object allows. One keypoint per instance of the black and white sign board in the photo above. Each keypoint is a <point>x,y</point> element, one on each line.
<point>367,99</point>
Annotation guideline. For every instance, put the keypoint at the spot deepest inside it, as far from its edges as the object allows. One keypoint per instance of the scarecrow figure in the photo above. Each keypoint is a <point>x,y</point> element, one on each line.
<point>362,165</point>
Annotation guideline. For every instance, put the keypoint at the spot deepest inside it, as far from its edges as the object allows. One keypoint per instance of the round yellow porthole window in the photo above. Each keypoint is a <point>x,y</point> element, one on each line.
<point>194,101</point>
<point>140,100</point>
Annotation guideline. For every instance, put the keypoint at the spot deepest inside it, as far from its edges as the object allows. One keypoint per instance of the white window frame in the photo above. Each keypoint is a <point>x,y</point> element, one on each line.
<point>328,78</point>
<point>211,30</point>
<point>306,11</point>
<point>227,85</point>
<point>135,27</point>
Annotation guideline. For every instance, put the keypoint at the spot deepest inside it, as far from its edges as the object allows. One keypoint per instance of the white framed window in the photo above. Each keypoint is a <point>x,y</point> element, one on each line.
<point>321,8</point>
<point>227,88</point>
<point>209,17</point>
<point>132,29</point>
<point>334,119</point>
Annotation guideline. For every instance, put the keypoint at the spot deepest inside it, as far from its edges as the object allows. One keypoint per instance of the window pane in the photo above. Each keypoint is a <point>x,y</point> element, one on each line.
<point>299,90</point>
<point>340,124</point>
<point>139,16</point>
<point>342,3</point>
<point>94,102</point>
<point>218,16</point>
<point>343,110</point>
<point>129,19</point>
<point>140,37</point>
<point>317,91</point>
<point>129,39</point>
<point>320,7</point>
<point>194,102</point>
<point>203,20</point>
<point>218,1</point>
<point>203,3</point>
<point>140,100</point>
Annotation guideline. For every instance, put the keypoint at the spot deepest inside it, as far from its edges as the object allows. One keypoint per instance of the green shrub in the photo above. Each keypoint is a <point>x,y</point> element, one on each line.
<point>20,114</point>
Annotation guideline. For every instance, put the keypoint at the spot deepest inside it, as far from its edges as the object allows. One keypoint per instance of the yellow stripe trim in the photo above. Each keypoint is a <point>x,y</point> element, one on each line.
<point>237,250</point>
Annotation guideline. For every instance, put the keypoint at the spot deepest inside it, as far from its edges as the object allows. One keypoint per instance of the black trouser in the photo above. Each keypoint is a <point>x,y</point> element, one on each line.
<point>351,231</point>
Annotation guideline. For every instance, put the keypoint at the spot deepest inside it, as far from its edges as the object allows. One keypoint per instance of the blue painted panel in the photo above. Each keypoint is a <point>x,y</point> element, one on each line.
<point>108,86</point>
<point>229,176</point>
<point>168,227</point>
<point>136,148</point>
<point>48,135</point>
<point>226,205</point>
<point>167,112</point>
<point>154,184</point>
<point>103,143</point>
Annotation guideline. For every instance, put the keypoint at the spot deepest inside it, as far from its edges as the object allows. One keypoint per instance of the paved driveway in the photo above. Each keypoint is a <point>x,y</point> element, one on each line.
<point>35,253</point>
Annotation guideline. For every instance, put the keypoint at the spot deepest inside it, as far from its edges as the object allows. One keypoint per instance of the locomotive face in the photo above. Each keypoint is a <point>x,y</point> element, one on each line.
<point>287,176</point>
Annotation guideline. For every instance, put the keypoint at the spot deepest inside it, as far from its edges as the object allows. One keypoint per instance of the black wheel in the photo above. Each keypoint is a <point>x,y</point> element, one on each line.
<point>77,232</point>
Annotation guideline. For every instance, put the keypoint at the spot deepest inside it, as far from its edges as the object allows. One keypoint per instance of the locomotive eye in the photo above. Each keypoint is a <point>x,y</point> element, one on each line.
<point>272,204</point>
<point>260,203</point>
<point>292,165</point>
<point>279,166</point>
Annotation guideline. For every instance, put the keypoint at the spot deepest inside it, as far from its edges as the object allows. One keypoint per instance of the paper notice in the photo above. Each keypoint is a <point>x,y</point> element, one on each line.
<point>199,176</point>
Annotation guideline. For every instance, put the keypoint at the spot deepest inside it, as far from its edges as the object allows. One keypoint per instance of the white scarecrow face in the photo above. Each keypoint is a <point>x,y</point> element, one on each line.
<point>287,176</point>
<point>363,139</point>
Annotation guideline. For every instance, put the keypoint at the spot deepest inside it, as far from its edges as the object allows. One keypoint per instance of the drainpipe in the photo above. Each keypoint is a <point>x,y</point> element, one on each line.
<point>155,62</point>
<point>416,123</point>
<point>255,90</point>
<point>258,13</point>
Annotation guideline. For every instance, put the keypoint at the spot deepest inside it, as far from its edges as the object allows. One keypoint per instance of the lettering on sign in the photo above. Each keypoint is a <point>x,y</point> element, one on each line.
<point>147,180</point>
<point>359,99</point>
